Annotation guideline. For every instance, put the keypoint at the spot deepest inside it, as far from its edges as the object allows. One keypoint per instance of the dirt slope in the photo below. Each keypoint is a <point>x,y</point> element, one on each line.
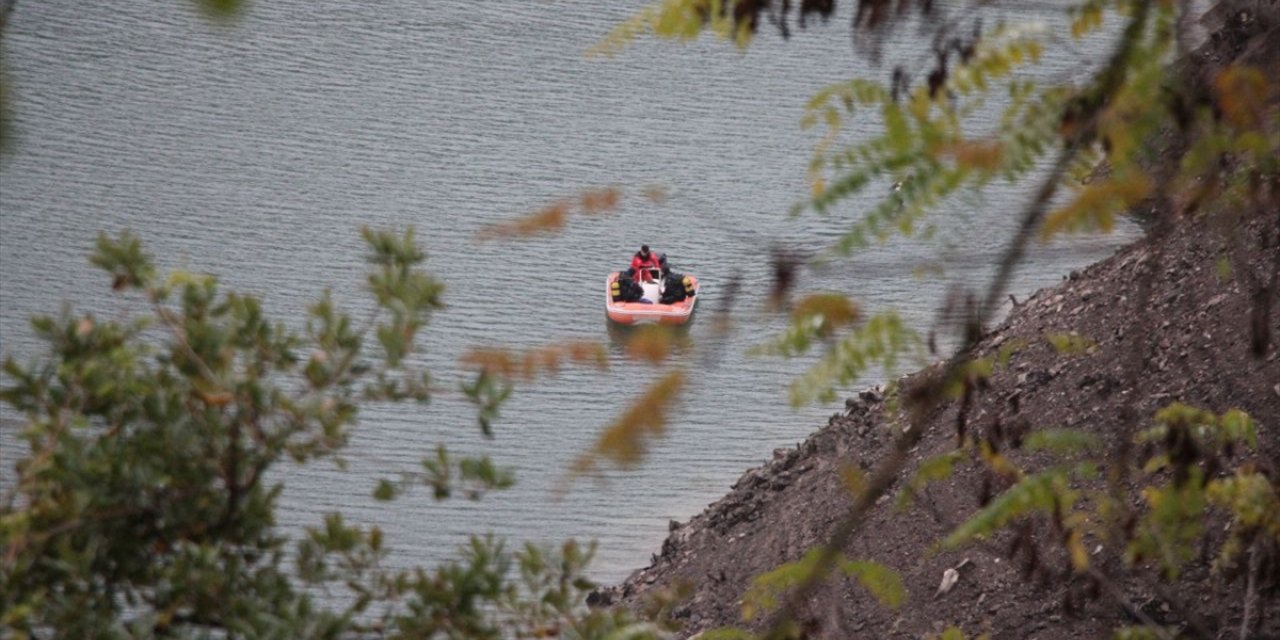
<point>1194,348</point>
<point>1187,339</point>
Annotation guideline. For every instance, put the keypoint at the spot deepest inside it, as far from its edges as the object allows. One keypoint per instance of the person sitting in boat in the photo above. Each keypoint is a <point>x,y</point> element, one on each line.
<point>644,263</point>
<point>675,286</point>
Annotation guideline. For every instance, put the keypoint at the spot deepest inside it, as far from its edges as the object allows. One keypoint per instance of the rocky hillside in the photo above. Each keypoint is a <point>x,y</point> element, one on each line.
<point>1195,347</point>
<point>1188,338</point>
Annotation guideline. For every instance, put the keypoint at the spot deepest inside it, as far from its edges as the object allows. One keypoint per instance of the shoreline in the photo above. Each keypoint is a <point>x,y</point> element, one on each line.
<point>778,510</point>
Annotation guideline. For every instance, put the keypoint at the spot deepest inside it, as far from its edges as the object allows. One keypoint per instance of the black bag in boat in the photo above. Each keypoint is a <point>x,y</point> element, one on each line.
<point>625,290</point>
<point>675,288</point>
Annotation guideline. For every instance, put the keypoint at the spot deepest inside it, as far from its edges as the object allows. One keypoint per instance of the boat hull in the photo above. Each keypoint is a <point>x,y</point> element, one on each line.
<point>646,313</point>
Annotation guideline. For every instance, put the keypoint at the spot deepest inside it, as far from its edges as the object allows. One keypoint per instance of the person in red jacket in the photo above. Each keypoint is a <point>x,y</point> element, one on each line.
<point>643,262</point>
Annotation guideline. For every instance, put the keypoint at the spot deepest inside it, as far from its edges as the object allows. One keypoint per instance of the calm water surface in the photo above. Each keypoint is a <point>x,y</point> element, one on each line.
<point>256,151</point>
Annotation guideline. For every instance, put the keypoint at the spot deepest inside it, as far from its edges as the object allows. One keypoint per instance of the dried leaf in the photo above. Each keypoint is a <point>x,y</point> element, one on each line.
<point>549,218</point>
<point>514,365</point>
<point>625,441</point>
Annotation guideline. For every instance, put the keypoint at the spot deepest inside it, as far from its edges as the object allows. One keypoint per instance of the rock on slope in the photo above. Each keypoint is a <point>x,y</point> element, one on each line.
<point>1193,341</point>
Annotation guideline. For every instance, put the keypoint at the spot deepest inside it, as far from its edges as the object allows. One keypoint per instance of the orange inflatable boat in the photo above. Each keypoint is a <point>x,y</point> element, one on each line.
<point>648,312</point>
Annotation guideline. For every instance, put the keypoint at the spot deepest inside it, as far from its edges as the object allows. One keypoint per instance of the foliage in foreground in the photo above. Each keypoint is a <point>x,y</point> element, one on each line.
<point>141,509</point>
<point>1140,133</point>
<point>143,506</point>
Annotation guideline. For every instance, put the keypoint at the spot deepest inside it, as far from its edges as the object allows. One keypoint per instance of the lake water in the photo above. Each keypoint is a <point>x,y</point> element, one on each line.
<point>256,151</point>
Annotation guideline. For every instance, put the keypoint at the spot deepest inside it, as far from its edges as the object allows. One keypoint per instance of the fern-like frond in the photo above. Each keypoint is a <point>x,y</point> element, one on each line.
<point>939,467</point>
<point>1044,492</point>
<point>1234,426</point>
<point>923,147</point>
<point>1060,440</point>
<point>1251,499</point>
<point>815,317</point>
<point>881,581</point>
<point>675,20</point>
<point>997,54</point>
<point>882,339</point>
<point>1086,17</point>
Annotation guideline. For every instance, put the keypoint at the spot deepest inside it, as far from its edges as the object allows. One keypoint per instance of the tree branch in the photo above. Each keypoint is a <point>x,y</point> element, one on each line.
<point>930,393</point>
<point>1123,600</point>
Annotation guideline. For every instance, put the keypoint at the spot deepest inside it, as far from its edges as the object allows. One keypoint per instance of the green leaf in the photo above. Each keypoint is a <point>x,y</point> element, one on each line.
<point>637,631</point>
<point>727,633</point>
<point>882,339</point>
<point>1250,498</point>
<point>124,260</point>
<point>1039,493</point>
<point>766,589</point>
<point>1237,426</point>
<point>1145,633</point>
<point>939,467</point>
<point>1070,344</point>
<point>880,580</point>
<point>385,491</point>
<point>1060,440</point>
<point>222,8</point>
<point>897,131</point>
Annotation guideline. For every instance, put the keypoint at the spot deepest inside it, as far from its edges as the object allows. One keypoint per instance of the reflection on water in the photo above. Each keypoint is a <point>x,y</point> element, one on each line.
<point>256,152</point>
<point>657,344</point>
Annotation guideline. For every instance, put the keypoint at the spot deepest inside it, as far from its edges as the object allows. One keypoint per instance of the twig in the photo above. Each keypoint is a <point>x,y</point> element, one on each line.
<point>180,334</point>
<point>1123,601</point>
<point>1250,593</point>
<point>883,477</point>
